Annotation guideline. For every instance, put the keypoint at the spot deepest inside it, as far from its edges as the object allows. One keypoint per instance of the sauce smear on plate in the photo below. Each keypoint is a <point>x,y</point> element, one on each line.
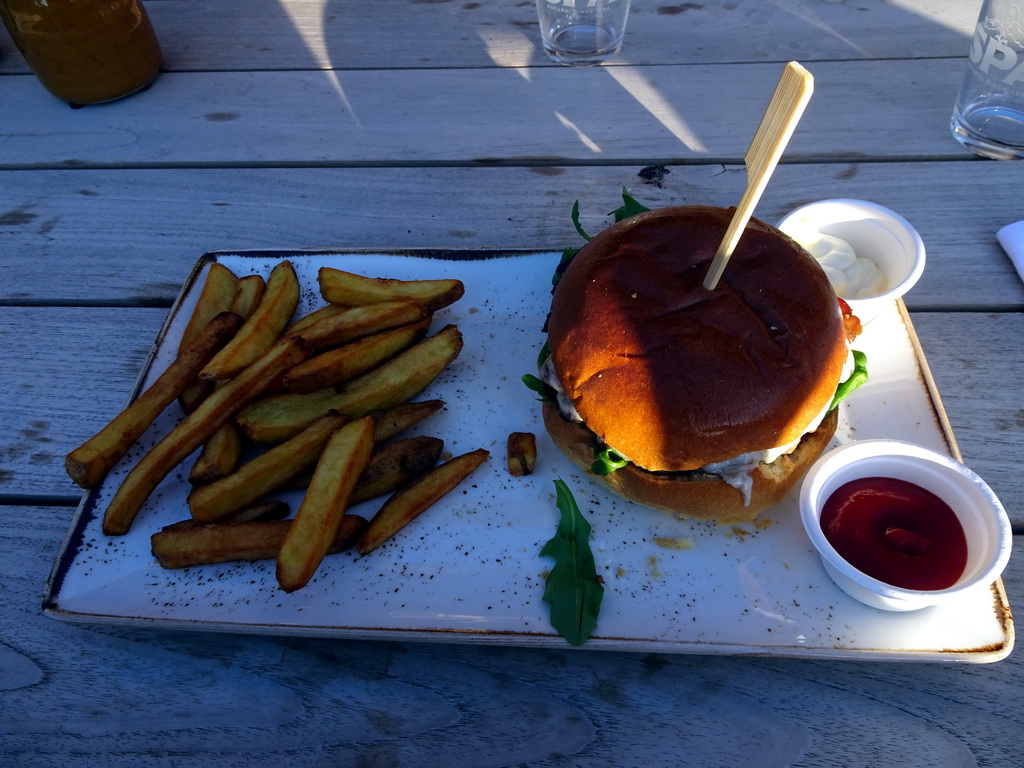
<point>896,532</point>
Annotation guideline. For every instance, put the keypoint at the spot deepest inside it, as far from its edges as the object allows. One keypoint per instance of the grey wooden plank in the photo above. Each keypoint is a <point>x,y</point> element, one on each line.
<point>304,34</point>
<point>132,235</point>
<point>147,698</point>
<point>885,109</point>
<point>67,372</point>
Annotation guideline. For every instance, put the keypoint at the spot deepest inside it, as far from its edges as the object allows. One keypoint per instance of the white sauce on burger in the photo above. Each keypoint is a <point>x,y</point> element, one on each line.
<point>737,471</point>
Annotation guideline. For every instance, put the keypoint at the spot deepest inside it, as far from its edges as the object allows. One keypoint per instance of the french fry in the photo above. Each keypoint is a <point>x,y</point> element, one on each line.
<point>250,293</point>
<point>341,327</point>
<point>409,503</point>
<point>386,425</point>
<point>277,417</point>
<point>402,377</point>
<point>90,462</point>
<point>195,429</point>
<point>218,295</point>
<point>394,421</point>
<point>395,465</point>
<point>340,287</point>
<point>307,320</point>
<point>187,546</point>
<point>262,328</point>
<point>316,522</point>
<point>343,363</point>
<point>264,510</point>
<point>220,455</point>
<point>522,453</point>
<point>263,474</point>
<point>222,452</point>
<point>390,468</point>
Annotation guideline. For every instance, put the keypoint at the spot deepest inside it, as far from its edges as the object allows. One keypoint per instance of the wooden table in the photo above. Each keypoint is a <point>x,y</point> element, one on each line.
<point>394,124</point>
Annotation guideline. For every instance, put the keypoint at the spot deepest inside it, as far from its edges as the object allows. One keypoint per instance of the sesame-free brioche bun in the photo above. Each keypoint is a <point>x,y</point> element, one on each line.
<point>673,376</point>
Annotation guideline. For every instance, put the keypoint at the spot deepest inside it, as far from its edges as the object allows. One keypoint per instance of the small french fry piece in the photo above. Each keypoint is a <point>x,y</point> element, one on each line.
<point>220,455</point>
<point>218,295</point>
<point>522,453</point>
<point>250,292</point>
<point>263,327</point>
<point>187,546</point>
<point>90,462</point>
<point>277,417</point>
<point>340,287</point>
<point>343,363</point>
<point>195,429</point>
<point>342,327</point>
<point>409,503</point>
<point>394,421</point>
<point>395,465</point>
<point>316,522</point>
<point>267,472</point>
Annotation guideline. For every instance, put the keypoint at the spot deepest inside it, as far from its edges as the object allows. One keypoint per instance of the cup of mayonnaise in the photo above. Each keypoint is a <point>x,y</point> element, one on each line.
<point>872,255</point>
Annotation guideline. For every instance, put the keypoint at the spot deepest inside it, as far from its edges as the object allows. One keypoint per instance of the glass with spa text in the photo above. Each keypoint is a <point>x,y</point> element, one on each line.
<point>989,114</point>
<point>582,32</point>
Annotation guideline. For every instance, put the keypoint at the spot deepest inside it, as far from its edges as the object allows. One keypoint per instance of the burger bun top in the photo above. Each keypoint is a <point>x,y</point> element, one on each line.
<point>674,376</point>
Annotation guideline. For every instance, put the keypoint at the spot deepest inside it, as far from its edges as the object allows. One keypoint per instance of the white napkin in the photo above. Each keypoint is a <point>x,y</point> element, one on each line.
<point>1012,238</point>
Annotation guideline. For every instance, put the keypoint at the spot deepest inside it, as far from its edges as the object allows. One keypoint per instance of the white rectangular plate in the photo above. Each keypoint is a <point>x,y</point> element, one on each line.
<point>469,570</point>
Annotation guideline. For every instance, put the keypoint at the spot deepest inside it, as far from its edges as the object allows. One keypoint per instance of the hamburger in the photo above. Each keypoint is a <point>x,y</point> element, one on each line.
<point>707,404</point>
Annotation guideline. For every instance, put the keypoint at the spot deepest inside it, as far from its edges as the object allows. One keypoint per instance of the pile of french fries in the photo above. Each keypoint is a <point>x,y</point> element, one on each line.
<point>324,398</point>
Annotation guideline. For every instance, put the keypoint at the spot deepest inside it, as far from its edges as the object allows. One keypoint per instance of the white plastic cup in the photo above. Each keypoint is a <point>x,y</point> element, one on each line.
<point>875,233</point>
<point>985,523</point>
<point>582,32</point>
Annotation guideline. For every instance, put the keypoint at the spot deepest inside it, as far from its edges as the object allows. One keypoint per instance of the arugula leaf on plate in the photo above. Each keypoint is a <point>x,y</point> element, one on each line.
<point>572,589</point>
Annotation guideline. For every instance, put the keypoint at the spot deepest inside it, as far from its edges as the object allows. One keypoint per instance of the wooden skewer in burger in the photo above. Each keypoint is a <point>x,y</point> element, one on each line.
<point>710,391</point>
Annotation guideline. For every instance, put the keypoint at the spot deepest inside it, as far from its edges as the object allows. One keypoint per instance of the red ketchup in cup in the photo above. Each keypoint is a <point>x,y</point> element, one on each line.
<point>896,532</point>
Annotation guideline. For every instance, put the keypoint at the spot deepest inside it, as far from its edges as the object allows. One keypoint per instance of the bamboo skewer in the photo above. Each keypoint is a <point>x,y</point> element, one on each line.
<point>780,118</point>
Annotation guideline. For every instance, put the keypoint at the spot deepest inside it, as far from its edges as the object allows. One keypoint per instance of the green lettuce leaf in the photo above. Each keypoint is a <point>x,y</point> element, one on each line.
<point>567,256</point>
<point>606,461</point>
<point>629,207</point>
<point>546,391</point>
<point>572,589</point>
<point>543,355</point>
<point>576,220</point>
<point>858,377</point>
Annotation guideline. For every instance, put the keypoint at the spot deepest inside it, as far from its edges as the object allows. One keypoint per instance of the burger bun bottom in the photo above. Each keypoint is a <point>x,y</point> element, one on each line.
<point>697,495</point>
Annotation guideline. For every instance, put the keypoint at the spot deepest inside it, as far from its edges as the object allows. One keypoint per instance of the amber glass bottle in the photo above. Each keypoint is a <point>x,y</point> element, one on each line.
<point>85,51</point>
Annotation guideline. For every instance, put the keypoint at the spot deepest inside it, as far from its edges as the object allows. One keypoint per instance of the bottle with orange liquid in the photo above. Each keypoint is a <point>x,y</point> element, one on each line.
<point>85,51</point>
